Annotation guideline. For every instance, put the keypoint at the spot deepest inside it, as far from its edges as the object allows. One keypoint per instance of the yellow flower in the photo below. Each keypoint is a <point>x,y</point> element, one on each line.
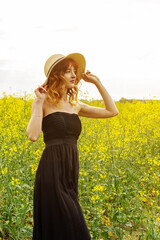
<point>110,234</point>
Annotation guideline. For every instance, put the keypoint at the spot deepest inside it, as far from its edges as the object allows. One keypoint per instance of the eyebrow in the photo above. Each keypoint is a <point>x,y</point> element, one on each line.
<point>70,68</point>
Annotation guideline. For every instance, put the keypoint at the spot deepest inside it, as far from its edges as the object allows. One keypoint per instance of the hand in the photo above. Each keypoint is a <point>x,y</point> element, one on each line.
<point>88,77</point>
<point>41,92</point>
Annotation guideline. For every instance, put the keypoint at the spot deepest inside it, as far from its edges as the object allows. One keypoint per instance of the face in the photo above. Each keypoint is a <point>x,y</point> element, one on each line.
<point>70,76</point>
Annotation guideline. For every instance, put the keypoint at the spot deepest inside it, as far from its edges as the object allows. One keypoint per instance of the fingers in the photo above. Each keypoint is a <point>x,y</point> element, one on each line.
<point>83,76</point>
<point>42,88</point>
<point>44,85</point>
<point>88,72</point>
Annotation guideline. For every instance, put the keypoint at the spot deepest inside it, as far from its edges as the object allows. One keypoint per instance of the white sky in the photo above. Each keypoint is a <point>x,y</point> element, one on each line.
<point>120,40</point>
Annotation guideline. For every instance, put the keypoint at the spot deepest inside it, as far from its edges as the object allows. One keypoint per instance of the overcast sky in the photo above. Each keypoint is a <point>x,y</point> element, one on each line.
<point>120,40</point>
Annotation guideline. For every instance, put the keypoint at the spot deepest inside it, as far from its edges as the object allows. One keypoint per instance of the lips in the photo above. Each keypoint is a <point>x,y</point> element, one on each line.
<point>73,81</point>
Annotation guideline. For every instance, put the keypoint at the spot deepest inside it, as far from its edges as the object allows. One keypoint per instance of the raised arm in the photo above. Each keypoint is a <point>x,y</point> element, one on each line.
<point>35,124</point>
<point>97,112</point>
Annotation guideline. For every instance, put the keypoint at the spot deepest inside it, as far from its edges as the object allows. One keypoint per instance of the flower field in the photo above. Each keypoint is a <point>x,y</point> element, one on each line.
<point>119,177</point>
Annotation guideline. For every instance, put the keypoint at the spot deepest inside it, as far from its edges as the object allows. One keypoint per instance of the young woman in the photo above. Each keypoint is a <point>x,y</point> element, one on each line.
<point>56,111</point>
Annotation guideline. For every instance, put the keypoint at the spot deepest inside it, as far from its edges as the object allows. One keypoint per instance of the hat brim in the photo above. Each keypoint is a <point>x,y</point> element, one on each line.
<point>79,59</point>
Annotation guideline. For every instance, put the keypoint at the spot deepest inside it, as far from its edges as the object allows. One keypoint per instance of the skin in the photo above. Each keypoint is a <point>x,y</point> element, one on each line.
<point>69,75</point>
<point>41,108</point>
<point>83,109</point>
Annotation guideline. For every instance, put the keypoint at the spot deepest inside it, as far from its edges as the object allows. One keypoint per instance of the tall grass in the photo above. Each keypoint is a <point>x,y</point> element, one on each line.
<point>119,187</point>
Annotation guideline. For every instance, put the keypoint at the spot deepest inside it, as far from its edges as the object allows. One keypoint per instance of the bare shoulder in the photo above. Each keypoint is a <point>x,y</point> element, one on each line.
<point>46,106</point>
<point>77,105</point>
<point>80,104</point>
<point>82,107</point>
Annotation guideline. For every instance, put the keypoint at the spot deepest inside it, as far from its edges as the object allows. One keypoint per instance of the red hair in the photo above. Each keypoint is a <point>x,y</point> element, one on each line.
<point>56,82</point>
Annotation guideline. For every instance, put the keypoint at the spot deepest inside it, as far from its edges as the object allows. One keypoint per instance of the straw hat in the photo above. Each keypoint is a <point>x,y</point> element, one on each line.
<point>56,58</point>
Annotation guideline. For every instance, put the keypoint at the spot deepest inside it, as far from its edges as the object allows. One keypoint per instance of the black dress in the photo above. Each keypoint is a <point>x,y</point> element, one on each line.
<point>57,212</point>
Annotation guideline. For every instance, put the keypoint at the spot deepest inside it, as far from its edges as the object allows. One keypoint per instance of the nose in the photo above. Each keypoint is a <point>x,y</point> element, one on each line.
<point>73,74</point>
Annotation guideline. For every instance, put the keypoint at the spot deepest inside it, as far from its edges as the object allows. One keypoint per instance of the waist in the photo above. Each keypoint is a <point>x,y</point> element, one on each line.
<point>57,141</point>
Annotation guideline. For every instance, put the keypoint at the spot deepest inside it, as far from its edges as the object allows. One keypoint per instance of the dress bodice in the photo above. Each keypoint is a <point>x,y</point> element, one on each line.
<point>61,125</point>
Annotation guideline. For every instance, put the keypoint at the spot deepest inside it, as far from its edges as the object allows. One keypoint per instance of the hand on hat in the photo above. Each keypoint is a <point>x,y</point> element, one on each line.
<point>88,77</point>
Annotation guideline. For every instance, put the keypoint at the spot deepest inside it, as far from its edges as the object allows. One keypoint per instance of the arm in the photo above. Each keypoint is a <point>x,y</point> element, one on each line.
<point>97,112</point>
<point>35,124</point>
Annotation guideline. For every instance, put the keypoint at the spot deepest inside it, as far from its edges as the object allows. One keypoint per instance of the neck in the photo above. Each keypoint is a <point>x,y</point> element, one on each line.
<point>64,97</point>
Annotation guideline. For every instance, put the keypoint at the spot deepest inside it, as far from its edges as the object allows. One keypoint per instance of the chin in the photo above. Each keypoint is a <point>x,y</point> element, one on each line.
<point>71,86</point>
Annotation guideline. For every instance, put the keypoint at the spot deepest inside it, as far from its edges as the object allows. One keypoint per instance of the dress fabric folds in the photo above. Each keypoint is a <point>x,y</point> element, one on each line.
<point>57,213</point>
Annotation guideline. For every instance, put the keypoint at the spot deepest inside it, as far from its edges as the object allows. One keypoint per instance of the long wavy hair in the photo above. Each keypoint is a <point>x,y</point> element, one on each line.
<point>56,83</point>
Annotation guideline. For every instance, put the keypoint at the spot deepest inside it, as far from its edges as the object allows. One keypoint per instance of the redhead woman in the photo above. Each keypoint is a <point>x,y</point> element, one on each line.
<point>55,111</point>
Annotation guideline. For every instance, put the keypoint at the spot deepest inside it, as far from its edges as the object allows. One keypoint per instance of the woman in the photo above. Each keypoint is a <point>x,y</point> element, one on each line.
<point>56,111</point>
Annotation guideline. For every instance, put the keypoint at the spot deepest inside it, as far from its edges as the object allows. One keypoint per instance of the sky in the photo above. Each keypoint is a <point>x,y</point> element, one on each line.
<point>119,39</point>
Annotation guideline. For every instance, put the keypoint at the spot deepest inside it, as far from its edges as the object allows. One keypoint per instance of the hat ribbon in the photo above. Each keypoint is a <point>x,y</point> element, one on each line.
<point>54,64</point>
